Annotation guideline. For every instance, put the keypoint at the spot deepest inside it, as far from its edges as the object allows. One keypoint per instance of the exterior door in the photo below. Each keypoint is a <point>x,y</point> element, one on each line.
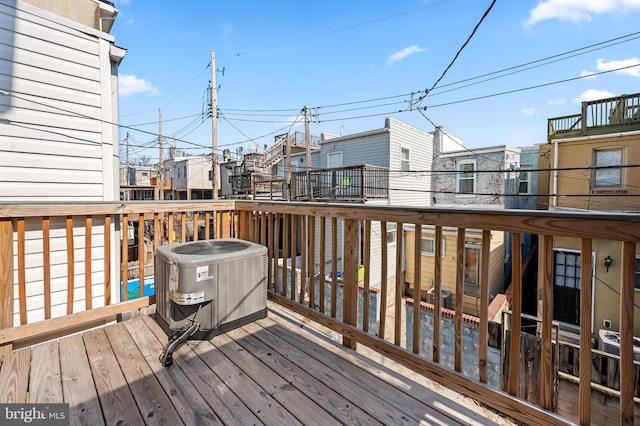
<point>566,287</point>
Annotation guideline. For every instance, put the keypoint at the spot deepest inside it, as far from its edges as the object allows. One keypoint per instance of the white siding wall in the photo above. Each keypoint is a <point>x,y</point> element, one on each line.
<point>364,148</point>
<point>410,189</point>
<point>56,140</point>
<point>198,170</point>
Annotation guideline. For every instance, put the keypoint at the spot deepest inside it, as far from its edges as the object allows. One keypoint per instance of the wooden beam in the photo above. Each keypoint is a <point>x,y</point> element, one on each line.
<point>484,304</point>
<point>334,265</point>
<point>367,274</point>
<point>323,251</point>
<point>627,371</point>
<point>70,266</point>
<point>384,268</point>
<point>417,287</point>
<point>141,254</point>
<point>312,262</point>
<point>546,389</point>
<point>88,296</point>
<point>437,287</point>
<point>584,386</point>
<point>22,268</point>
<point>397,334</point>
<point>6,278</point>
<point>40,328</point>
<point>304,280</point>
<point>276,251</point>
<point>457,350</point>
<point>350,277</point>
<point>516,309</point>
<point>294,250</point>
<point>125,256</point>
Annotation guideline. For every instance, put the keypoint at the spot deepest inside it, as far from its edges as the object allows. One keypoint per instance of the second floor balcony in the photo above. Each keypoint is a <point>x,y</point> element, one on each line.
<point>351,183</point>
<point>612,115</point>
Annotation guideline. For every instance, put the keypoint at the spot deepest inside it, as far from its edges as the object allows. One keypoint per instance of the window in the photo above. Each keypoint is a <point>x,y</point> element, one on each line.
<point>210,174</point>
<point>391,232</point>
<point>334,159</point>
<point>405,164</point>
<point>472,270</point>
<point>466,177</point>
<point>567,270</point>
<point>524,179</point>
<point>429,246</point>
<point>607,177</point>
<point>145,173</point>
<point>637,273</point>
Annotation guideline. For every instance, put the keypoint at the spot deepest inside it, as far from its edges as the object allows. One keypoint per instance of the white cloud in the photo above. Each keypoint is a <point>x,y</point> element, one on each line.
<point>578,10</point>
<point>294,120</point>
<point>401,54</point>
<point>130,84</point>
<point>528,112</point>
<point>592,95</point>
<point>557,101</point>
<point>588,75</point>
<point>612,65</point>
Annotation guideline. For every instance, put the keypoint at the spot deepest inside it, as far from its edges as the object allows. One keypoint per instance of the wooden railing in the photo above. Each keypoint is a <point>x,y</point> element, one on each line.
<point>620,113</point>
<point>307,242</point>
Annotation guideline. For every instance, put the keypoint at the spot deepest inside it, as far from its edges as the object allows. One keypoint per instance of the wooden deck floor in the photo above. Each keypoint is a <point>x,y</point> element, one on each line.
<point>268,372</point>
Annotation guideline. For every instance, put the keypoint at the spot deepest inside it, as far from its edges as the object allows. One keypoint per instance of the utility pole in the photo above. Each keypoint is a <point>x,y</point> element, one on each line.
<point>307,142</point>
<point>214,126</point>
<point>161,163</point>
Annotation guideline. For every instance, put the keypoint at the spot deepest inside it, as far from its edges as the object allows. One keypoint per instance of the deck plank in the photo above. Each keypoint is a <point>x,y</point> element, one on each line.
<point>78,388</point>
<point>335,355</point>
<point>229,407</point>
<point>45,382</point>
<point>189,404</point>
<point>383,403</point>
<point>259,400</point>
<point>289,396</point>
<point>115,397</point>
<point>14,376</point>
<point>334,403</point>
<point>147,392</point>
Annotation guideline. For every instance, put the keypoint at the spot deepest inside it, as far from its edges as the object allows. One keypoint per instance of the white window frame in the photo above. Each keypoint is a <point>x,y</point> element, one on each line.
<point>525,170</point>
<point>432,252</point>
<point>391,233</point>
<point>405,164</point>
<point>459,165</point>
<point>595,184</point>
<point>334,154</point>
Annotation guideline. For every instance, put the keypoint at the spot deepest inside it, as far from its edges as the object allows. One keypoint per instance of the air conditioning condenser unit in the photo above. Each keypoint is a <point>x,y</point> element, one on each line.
<point>205,288</point>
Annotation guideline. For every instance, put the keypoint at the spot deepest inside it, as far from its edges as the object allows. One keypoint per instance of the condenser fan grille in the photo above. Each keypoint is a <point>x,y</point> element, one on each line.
<point>211,247</point>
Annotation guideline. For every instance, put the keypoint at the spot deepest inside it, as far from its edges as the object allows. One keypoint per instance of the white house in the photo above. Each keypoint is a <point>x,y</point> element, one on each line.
<point>58,126</point>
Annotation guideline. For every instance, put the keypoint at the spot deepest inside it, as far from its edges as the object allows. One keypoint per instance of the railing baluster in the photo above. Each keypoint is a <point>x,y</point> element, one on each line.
<point>384,266</point>
<point>46,266</point>
<point>286,226</point>
<point>170,227</point>
<point>22,277</point>
<point>141,254</point>
<point>484,304</point>
<point>88,302</point>
<point>586,277</point>
<point>350,277</point>
<point>6,279</point>
<point>183,227</point>
<point>70,266</point>
<point>547,320</point>
<point>276,251</point>
<point>207,225</point>
<point>627,371</point>
<point>367,275</point>
<point>125,257</point>
<point>417,286</point>
<point>107,259</point>
<point>303,256</point>
<point>322,253</point>
<point>196,225</point>
<point>294,252</point>
<point>437,288</point>
<point>312,260</point>
<point>397,320</point>
<point>516,307</point>
<point>459,299</point>
<point>334,265</point>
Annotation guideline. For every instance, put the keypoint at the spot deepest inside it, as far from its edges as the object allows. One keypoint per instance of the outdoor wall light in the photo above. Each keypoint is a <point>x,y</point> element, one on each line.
<point>607,262</point>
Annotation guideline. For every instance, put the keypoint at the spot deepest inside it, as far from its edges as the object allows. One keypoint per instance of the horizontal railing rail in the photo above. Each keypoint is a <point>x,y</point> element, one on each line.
<point>358,182</point>
<point>339,265</point>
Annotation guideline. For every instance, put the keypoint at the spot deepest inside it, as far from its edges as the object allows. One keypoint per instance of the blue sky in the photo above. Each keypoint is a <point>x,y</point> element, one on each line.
<point>348,59</point>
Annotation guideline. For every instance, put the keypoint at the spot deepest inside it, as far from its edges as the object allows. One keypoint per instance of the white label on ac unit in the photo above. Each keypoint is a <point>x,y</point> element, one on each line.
<point>188,298</point>
<point>202,273</point>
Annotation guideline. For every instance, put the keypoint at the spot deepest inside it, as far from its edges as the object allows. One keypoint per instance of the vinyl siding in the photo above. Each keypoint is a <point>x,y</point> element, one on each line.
<point>410,189</point>
<point>58,143</point>
<point>365,148</point>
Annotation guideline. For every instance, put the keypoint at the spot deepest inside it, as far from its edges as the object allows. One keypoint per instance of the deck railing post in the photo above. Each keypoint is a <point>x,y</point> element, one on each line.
<point>6,278</point>
<point>350,277</point>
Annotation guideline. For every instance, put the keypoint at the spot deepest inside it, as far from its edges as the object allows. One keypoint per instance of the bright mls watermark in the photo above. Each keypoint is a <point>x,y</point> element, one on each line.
<point>34,414</point>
